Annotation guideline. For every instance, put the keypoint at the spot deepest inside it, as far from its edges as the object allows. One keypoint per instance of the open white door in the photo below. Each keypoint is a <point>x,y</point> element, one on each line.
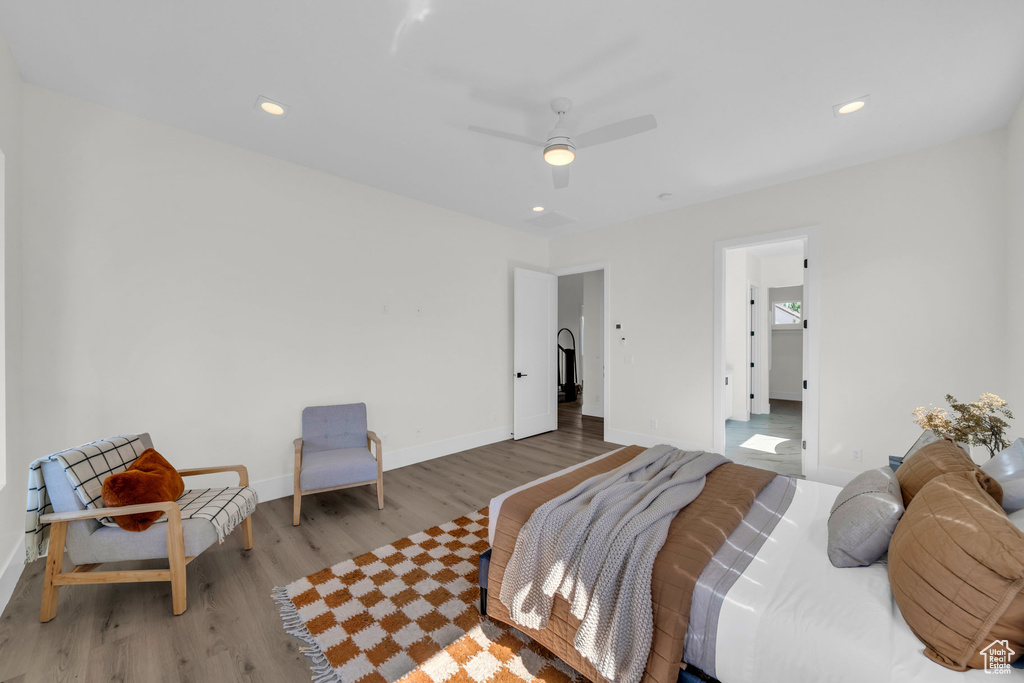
<point>534,357</point>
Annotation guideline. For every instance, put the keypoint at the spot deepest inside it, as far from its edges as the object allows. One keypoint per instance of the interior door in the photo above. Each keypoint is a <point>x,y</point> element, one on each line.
<point>534,353</point>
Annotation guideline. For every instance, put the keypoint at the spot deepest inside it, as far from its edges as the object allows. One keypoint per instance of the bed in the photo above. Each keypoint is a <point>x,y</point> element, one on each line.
<point>782,613</point>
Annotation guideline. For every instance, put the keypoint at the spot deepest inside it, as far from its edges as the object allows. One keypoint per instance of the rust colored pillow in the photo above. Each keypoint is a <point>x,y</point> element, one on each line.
<point>150,479</point>
<point>935,459</point>
<point>956,568</point>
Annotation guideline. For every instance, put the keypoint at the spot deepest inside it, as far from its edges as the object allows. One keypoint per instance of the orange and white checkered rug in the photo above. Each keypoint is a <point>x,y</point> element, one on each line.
<point>409,611</point>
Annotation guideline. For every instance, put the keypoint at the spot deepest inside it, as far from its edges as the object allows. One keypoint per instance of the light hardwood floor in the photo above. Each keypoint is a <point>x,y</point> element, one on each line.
<point>231,630</point>
<point>771,442</point>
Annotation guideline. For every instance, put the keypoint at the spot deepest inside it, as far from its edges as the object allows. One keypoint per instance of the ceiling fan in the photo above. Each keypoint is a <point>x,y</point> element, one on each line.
<point>560,148</point>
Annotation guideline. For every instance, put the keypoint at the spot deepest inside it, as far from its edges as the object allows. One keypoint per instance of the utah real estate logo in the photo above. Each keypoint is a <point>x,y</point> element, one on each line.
<point>998,656</point>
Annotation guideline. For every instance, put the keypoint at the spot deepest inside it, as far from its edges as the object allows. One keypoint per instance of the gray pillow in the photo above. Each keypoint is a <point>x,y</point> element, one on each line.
<point>1007,467</point>
<point>863,518</point>
<point>1018,519</point>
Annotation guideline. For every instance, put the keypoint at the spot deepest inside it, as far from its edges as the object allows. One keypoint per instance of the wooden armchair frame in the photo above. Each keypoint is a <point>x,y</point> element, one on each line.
<point>371,437</point>
<point>55,576</point>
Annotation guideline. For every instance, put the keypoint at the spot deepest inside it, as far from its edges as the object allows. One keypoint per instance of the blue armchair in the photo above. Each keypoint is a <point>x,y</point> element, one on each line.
<point>334,453</point>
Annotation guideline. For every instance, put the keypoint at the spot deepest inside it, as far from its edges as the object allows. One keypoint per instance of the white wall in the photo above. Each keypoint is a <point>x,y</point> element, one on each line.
<point>14,459</point>
<point>912,229</point>
<point>1014,265</point>
<point>207,293</point>
<point>782,271</point>
<point>570,305</point>
<point>786,375</point>
<point>593,360</point>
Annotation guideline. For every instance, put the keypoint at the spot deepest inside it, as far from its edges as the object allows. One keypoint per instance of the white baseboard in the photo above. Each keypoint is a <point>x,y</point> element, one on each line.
<point>646,440</point>
<point>593,411</point>
<point>270,489</point>
<point>787,395</point>
<point>283,486</point>
<point>11,572</point>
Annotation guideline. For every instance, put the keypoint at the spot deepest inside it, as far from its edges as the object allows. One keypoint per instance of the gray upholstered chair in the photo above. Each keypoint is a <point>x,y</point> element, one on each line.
<point>334,453</point>
<point>91,538</point>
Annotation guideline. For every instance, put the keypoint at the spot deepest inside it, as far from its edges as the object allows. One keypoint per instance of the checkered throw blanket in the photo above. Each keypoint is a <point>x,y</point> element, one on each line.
<point>87,466</point>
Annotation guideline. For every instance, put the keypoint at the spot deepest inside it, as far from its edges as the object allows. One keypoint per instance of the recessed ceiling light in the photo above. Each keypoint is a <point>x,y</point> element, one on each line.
<point>538,208</point>
<point>851,106</point>
<point>271,107</point>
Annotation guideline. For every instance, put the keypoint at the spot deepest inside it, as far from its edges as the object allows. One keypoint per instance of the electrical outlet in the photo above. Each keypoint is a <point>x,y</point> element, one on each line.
<point>654,423</point>
<point>384,309</point>
<point>419,310</point>
<point>858,455</point>
<point>419,432</point>
<point>628,359</point>
<point>384,438</point>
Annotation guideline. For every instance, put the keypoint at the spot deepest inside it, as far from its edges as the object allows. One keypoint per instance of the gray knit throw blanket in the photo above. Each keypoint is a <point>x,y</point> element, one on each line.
<point>595,546</point>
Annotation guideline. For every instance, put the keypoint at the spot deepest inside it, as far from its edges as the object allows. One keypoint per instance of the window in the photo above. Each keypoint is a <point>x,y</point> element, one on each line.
<point>786,314</point>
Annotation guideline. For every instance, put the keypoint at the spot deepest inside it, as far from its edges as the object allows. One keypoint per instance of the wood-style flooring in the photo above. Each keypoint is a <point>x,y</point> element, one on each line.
<point>232,630</point>
<point>771,442</point>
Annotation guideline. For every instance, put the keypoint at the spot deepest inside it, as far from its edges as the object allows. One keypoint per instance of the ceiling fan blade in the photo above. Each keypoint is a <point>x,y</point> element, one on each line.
<point>560,174</point>
<point>506,136</point>
<point>615,131</point>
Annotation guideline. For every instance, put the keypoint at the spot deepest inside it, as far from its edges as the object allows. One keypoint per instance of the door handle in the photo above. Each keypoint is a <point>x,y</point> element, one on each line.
<point>520,374</point>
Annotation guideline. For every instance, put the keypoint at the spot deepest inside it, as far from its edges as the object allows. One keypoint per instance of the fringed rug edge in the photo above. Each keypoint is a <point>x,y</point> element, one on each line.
<point>321,668</point>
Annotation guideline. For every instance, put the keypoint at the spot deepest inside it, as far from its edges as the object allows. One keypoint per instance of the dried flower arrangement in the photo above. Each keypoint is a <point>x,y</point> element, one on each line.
<point>980,423</point>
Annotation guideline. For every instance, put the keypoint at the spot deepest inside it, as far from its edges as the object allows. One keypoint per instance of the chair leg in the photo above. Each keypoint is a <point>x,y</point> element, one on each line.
<point>380,493</point>
<point>54,563</point>
<point>247,532</point>
<point>296,508</point>
<point>176,560</point>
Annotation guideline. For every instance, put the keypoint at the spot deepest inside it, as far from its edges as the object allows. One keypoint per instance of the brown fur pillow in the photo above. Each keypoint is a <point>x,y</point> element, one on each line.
<point>938,458</point>
<point>150,479</point>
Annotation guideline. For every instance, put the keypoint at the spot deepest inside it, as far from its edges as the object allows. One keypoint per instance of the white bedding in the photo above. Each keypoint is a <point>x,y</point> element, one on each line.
<point>792,616</point>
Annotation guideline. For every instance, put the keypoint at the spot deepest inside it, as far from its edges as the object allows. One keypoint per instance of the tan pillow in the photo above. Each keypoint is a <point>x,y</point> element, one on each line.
<point>935,459</point>
<point>956,567</point>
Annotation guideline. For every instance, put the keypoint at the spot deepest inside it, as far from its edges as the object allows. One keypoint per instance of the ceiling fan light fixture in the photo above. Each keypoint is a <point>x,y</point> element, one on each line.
<point>559,153</point>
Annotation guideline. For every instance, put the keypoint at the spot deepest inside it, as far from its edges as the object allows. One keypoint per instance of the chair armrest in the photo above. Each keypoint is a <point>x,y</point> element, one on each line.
<point>372,436</point>
<point>243,474</point>
<point>170,507</point>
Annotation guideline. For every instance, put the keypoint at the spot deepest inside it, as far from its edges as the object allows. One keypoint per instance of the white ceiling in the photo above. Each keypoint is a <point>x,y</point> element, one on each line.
<point>382,91</point>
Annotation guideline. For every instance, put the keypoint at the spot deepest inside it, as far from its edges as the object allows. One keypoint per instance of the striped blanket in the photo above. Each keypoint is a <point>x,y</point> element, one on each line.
<point>88,465</point>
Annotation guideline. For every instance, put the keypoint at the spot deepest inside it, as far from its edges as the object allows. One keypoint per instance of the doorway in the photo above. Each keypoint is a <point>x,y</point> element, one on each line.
<point>584,336</point>
<point>765,395</point>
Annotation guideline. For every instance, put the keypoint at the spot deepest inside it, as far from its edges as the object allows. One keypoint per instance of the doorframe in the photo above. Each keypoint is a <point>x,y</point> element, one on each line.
<point>754,350</point>
<point>606,401</point>
<point>811,395</point>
